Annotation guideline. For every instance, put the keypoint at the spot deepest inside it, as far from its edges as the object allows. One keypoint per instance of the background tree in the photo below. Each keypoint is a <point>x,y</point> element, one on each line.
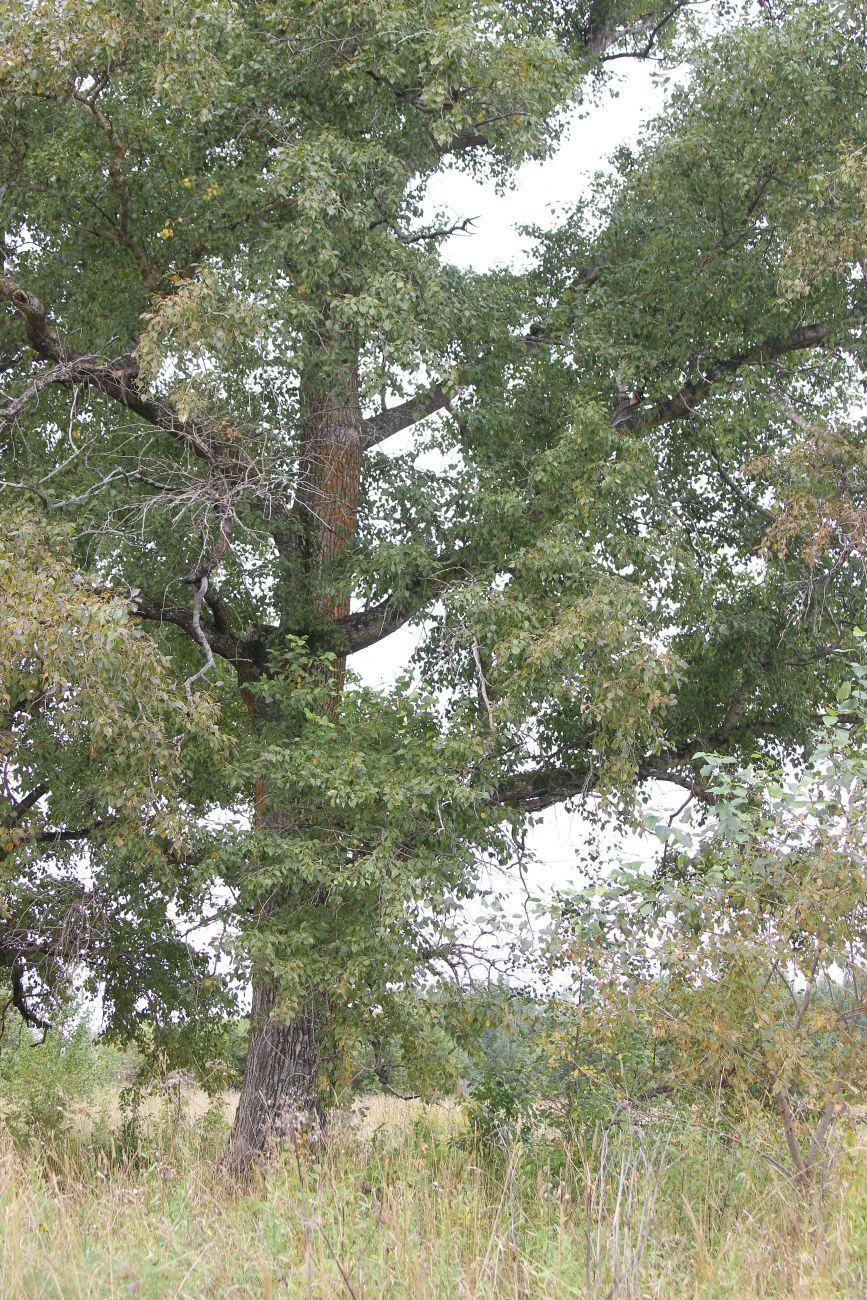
<point>222,302</point>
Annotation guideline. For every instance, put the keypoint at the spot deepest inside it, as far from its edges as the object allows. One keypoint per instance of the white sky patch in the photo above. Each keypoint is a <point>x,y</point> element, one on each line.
<point>591,137</point>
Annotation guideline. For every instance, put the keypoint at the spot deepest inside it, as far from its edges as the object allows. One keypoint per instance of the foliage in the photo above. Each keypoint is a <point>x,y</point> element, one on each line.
<point>46,1082</point>
<point>739,962</point>
<point>92,695</point>
<point>221,299</point>
<point>378,821</point>
<point>90,699</point>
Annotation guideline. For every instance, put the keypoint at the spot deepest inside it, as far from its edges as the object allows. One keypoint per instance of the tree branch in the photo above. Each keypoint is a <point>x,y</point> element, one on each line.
<point>19,997</point>
<point>115,172</point>
<point>649,28</point>
<point>28,801</point>
<point>62,374</point>
<point>539,788</point>
<point>466,140</point>
<point>245,654</point>
<point>437,397</point>
<point>199,634</point>
<point>117,380</point>
<point>637,418</point>
<point>386,424</point>
<point>435,233</point>
<point>367,627</point>
<point>41,336</point>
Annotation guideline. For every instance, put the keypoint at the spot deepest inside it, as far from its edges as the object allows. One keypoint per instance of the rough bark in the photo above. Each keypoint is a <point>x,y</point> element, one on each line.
<point>329,485</point>
<point>280,1096</point>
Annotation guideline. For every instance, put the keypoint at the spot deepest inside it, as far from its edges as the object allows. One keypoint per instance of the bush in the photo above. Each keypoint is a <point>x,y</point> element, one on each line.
<point>44,1082</point>
<point>737,969</point>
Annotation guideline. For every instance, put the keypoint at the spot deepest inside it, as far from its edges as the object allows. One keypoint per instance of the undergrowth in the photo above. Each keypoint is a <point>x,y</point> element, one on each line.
<point>405,1200</point>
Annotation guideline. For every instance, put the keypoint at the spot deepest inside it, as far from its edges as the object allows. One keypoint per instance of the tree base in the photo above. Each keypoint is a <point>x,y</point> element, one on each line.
<point>279,1100</point>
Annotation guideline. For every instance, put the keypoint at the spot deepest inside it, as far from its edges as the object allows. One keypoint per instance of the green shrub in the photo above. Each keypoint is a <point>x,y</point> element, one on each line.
<point>44,1081</point>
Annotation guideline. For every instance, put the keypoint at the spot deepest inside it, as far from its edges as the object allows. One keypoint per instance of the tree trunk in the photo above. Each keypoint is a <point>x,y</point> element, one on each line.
<point>326,503</point>
<point>279,1096</point>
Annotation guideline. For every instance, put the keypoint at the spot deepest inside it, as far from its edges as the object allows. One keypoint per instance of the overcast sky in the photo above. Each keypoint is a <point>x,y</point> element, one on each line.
<point>591,138</point>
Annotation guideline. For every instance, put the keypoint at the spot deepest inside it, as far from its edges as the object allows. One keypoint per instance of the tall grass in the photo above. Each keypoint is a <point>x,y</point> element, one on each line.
<point>400,1201</point>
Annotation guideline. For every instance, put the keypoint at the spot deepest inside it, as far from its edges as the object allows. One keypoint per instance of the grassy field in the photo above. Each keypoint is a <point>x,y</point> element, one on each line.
<point>399,1201</point>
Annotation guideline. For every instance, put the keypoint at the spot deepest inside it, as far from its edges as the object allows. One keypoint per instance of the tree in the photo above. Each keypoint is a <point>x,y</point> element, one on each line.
<point>219,285</point>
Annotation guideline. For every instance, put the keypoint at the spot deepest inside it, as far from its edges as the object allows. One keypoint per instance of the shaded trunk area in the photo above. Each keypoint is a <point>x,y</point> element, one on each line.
<point>279,1096</point>
<point>279,1099</point>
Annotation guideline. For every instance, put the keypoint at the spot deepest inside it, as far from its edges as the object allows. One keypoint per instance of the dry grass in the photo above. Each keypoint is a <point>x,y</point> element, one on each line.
<point>400,1203</point>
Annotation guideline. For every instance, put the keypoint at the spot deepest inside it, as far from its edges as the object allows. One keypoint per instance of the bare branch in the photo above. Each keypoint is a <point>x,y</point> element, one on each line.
<point>200,637</point>
<point>483,686</point>
<point>244,653</point>
<point>19,997</point>
<point>118,380</point>
<point>647,29</point>
<point>386,424</point>
<point>737,491</point>
<point>60,374</point>
<point>222,452</point>
<point>436,232</point>
<point>832,1112</point>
